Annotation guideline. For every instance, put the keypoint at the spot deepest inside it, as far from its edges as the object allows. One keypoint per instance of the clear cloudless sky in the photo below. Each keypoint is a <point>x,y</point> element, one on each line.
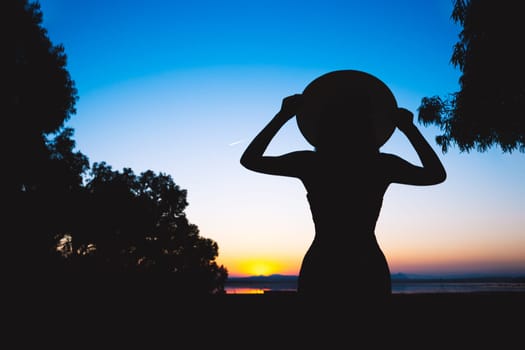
<point>181,87</point>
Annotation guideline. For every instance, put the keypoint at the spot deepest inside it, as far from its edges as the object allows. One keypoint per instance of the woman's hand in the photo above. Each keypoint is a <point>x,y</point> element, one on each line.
<point>403,118</point>
<point>432,171</point>
<point>291,105</point>
<point>253,157</point>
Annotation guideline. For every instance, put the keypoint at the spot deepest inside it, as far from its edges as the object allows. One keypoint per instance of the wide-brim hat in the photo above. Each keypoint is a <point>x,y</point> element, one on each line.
<point>343,85</point>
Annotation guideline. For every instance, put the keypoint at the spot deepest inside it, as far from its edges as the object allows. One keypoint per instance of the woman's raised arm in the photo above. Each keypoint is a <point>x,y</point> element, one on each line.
<point>253,157</point>
<point>432,171</point>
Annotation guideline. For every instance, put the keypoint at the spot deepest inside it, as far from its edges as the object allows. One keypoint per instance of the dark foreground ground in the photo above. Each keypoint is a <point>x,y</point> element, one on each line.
<point>274,320</point>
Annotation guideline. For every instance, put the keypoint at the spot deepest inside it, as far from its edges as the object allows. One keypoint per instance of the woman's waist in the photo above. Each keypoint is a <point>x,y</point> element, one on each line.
<point>358,228</point>
<point>343,239</point>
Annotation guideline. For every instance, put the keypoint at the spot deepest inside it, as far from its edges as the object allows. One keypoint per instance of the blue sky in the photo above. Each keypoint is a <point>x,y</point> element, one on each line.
<point>181,87</point>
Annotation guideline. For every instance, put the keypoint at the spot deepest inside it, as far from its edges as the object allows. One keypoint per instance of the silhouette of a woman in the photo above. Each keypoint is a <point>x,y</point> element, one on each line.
<point>345,178</point>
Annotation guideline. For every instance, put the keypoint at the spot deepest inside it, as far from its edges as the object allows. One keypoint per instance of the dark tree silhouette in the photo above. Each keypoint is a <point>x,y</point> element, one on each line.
<point>42,93</point>
<point>47,211</point>
<point>40,175</point>
<point>136,225</point>
<point>489,109</point>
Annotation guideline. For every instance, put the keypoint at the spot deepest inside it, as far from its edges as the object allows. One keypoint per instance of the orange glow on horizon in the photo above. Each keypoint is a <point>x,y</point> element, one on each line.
<point>422,258</point>
<point>260,266</point>
<point>430,264</point>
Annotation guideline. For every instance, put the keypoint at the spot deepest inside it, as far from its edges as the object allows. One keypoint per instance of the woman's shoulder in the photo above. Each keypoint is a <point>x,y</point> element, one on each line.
<point>389,157</point>
<point>305,155</point>
<point>388,162</point>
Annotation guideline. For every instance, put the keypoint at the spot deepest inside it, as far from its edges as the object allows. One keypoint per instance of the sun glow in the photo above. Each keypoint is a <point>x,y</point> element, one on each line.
<point>260,267</point>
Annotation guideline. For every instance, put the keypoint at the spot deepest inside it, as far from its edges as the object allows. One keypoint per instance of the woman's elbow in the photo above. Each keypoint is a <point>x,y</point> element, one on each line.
<point>433,177</point>
<point>246,162</point>
<point>441,176</point>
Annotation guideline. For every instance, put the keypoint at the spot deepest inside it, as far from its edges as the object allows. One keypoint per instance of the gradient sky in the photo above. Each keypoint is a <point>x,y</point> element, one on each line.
<point>181,87</point>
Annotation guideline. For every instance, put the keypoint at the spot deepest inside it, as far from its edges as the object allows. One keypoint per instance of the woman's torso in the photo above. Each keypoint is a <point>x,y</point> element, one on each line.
<point>345,199</point>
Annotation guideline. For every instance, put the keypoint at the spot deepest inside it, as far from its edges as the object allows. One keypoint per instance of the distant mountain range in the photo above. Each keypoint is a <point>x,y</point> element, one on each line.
<point>290,281</point>
<point>261,278</point>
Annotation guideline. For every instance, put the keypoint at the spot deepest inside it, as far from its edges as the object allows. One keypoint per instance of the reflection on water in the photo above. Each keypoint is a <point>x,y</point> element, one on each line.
<point>245,290</point>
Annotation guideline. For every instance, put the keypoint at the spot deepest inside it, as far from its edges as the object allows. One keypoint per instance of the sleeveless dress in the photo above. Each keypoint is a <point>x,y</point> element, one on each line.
<point>344,258</point>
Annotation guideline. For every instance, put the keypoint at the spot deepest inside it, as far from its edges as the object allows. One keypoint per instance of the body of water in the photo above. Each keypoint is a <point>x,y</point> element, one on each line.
<point>398,287</point>
<point>456,287</point>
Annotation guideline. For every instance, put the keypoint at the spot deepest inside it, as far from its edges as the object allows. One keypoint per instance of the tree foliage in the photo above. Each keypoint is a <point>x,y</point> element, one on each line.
<point>135,224</point>
<point>489,108</point>
<point>42,93</point>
